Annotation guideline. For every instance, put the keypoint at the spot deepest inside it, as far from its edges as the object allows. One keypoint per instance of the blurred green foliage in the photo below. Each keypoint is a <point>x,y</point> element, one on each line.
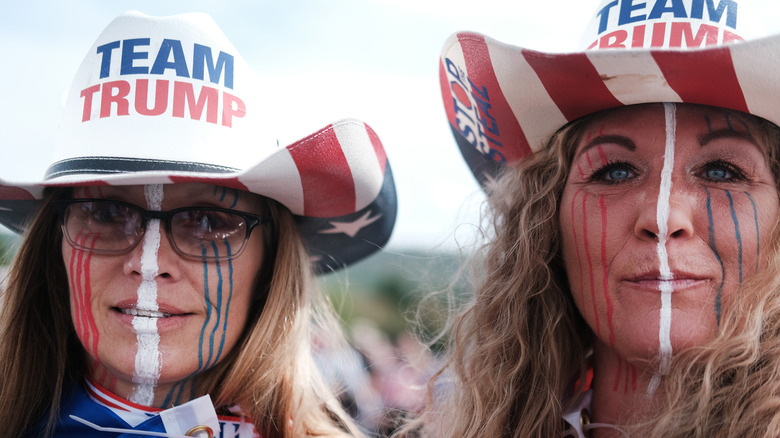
<point>9,243</point>
<point>399,292</point>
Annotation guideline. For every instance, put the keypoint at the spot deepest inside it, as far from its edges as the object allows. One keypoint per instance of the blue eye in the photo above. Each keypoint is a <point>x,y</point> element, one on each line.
<point>614,173</point>
<point>718,174</point>
<point>722,171</point>
<point>618,174</point>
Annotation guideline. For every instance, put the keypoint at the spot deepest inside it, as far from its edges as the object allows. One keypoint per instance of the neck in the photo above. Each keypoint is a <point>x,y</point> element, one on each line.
<point>623,391</point>
<point>161,395</point>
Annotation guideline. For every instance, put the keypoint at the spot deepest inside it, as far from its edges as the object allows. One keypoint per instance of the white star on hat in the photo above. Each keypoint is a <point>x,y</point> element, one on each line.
<point>352,228</point>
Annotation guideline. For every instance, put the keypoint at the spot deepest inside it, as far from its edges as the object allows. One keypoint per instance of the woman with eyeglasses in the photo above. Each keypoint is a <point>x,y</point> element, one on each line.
<point>164,287</point>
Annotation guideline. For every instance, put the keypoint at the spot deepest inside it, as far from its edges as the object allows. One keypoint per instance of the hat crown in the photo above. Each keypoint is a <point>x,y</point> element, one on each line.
<point>668,24</point>
<point>164,88</point>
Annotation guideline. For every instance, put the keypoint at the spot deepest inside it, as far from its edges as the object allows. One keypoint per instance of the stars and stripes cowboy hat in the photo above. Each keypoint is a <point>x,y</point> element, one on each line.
<point>160,100</point>
<point>504,102</point>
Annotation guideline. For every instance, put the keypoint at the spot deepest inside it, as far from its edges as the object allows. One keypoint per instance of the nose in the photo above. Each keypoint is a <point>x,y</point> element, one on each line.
<point>154,256</point>
<point>673,219</point>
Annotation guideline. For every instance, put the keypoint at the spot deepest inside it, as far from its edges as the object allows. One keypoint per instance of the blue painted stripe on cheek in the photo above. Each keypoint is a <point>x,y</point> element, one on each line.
<point>180,384</point>
<point>208,308</point>
<point>717,256</point>
<point>736,233</point>
<point>169,396</point>
<point>227,307</point>
<point>755,219</point>
<point>219,307</point>
<point>235,200</point>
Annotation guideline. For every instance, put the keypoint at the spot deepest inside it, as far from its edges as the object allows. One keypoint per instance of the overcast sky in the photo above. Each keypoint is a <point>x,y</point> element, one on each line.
<point>322,60</point>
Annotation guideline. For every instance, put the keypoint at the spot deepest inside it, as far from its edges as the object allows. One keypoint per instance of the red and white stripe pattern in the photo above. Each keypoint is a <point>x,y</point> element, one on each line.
<point>533,94</point>
<point>334,172</point>
<point>134,414</point>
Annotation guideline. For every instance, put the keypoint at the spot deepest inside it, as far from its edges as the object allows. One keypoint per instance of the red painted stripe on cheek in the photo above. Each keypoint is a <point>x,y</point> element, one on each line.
<point>79,294</point>
<point>602,155</point>
<point>605,285</point>
<point>577,246</point>
<point>616,384</point>
<point>92,327</point>
<point>590,261</point>
<point>75,292</point>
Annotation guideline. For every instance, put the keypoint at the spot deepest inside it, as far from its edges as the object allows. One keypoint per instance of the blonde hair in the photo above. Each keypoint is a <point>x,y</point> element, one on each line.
<point>519,348</point>
<point>270,374</point>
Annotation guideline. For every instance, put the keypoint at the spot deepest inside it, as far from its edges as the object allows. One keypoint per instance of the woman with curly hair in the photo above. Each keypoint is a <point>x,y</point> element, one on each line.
<point>629,285</point>
<point>165,283</point>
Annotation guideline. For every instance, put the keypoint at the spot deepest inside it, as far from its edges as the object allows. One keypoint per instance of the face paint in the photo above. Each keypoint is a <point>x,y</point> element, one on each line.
<point>736,233</point>
<point>222,194</point>
<point>89,192</point>
<point>220,312</point>
<point>85,322</point>
<point>227,305</point>
<point>605,285</point>
<point>626,376</point>
<point>662,217</point>
<point>108,293</point>
<point>714,248</point>
<point>576,242</point>
<point>755,220</point>
<point>147,359</point>
<point>590,262</point>
<point>663,256</point>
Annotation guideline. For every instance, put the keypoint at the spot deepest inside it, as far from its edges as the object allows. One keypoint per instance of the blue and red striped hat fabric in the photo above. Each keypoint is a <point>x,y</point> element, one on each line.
<point>504,102</point>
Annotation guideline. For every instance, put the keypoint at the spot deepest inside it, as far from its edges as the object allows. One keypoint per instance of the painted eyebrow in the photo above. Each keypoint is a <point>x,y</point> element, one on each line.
<point>614,139</point>
<point>725,133</point>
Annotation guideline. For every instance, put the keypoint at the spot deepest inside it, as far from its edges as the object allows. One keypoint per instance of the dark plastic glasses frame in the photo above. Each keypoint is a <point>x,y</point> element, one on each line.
<point>252,220</point>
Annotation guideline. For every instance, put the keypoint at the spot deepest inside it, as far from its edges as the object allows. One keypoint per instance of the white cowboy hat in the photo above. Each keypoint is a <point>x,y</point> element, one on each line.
<point>504,102</point>
<point>161,100</point>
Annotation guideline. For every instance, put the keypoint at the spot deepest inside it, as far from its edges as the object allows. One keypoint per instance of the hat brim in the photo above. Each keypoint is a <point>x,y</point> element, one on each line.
<point>504,102</point>
<point>337,183</point>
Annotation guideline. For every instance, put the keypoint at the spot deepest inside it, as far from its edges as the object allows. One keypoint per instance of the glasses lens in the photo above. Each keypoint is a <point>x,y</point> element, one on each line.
<point>208,233</point>
<point>102,225</point>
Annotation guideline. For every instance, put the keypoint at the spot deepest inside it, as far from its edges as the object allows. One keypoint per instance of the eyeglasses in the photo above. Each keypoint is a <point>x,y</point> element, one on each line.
<point>114,227</point>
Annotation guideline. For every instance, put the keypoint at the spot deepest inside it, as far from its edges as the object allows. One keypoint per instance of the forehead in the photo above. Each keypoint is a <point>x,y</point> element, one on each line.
<point>636,118</point>
<point>692,124</point>
<point>174,195</point>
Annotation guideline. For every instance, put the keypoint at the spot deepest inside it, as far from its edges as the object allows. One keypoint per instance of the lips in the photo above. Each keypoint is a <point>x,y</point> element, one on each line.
<point>655,281</point>
<point>163,311</point>
<point>145,313</point>
<point>142,319</point>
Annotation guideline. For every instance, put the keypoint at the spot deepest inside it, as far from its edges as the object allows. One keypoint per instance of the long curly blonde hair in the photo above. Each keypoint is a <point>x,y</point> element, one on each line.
<point>270,373</point>
<point>519,348</point>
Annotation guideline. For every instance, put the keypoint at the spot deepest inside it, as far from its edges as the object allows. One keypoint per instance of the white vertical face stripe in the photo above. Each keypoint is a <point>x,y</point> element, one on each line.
<point>662,217</point>
<point>363,162</point>
<point>633,78</point>
<point>521,85</point>
<point>147,358</point>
